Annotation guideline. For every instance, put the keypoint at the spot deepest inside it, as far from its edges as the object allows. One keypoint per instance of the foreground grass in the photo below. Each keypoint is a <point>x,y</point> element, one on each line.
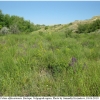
<point>45,64</point>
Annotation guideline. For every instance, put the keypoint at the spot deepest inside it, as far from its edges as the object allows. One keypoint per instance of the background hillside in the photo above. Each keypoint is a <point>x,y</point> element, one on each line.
<point>78,26</point>
<point>15,24</point>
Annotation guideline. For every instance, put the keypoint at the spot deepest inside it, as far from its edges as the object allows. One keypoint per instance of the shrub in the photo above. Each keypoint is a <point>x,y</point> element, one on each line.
<point>68,33</point>
<point>4,30</point>
<point>41,33</point>
<point>82,28</point>
<point>89,27</point>
<point>70,23</point>
<point>46,27</point>
<point>14,29</point>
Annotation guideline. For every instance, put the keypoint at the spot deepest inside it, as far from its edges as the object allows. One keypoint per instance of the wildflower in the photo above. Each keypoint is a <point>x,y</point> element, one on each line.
<point>73,61</point>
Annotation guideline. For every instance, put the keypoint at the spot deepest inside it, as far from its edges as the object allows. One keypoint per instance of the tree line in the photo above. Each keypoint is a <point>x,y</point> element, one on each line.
<point>15,24</point>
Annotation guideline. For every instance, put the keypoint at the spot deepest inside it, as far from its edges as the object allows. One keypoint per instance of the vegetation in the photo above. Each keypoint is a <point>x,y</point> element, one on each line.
<point>49,65</point>
<point>46,27</point>
<point>49,62</point>
<point>89,27</point>
<point>4,30</point>
<point>68,32</point>
<point>16,24</point>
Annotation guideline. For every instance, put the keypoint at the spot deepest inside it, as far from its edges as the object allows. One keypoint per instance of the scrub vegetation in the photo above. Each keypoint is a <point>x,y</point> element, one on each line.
<point>49,61</point>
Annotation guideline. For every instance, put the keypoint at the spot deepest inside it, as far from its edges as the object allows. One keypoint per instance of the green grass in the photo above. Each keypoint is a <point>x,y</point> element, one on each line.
<point>38,64</point>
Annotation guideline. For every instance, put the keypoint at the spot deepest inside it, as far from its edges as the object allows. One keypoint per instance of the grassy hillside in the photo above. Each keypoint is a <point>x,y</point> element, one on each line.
<point>74,26</point>
<point>50,64</point>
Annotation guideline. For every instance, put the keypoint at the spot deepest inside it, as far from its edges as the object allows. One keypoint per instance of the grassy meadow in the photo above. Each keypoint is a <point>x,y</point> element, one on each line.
<point>50,64</point>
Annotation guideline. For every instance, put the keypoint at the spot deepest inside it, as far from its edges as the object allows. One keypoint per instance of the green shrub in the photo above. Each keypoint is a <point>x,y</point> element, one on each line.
<point>41,33</point>
<point>68,33</point>
<point>70,23</point>
<point>14,29</point>
<point>46,27</point>
<point>89,27</point>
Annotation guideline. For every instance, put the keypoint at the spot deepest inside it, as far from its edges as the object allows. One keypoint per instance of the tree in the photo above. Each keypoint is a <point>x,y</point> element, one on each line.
<point>7,20</point>
<point>0,27</point>
<point>2,18</point>
<point>16,23</point>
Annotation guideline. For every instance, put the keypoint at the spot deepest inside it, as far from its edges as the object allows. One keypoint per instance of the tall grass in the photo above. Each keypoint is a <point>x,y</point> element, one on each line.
<point>43,64</point>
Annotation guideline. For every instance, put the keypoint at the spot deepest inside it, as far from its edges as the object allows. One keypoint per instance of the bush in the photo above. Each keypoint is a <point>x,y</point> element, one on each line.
<point>4,30</point>
<point>82,28</point>
<point>46,27</point>
<point>87,28</point>
<point>14,29</point>
<point>41,33</point>
<point>70,23</point>
<point>68,33</point>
